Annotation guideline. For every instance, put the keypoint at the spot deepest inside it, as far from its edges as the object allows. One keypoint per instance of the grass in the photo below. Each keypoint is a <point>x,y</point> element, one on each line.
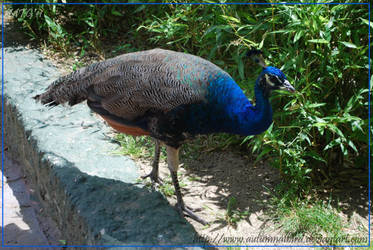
<point>136,146</point>
<point>167,187</point>
<point>233,215</point>
<point>312,221</point>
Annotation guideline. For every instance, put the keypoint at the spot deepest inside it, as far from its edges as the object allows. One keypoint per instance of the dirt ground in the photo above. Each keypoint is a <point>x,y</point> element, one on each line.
<point>212,179</point>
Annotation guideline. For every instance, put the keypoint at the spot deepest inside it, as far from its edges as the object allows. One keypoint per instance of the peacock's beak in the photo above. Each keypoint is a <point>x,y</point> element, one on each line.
<point>287,86</point>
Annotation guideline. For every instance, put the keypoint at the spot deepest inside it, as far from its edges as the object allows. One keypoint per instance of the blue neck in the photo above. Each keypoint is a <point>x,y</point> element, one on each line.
<point>241,116</point>
<point>228,110</point>
<point>263,111</point>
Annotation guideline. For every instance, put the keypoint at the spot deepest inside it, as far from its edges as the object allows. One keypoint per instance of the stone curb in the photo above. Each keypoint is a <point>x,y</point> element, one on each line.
<point>91,193</point>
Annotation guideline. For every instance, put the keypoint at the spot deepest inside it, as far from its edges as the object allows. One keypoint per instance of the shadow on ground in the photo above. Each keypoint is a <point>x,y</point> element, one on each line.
<point>218,176</point>
<point>117,213</point>
<point>228,176</point>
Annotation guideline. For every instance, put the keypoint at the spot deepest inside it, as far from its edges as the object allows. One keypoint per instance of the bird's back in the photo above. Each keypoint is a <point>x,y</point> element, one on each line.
<point>133,83</point>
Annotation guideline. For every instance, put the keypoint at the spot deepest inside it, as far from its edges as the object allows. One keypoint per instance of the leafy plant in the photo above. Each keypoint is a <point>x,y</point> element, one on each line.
<point>167,187</point>
<point>139,146</point>
<point>233,215</point>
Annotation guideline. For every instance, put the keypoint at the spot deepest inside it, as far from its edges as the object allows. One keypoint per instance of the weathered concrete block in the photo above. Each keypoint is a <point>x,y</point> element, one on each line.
<point>90,193</point>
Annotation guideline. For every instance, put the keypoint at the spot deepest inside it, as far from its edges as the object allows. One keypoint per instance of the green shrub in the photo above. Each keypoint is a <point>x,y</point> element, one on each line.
<point>323,49</point>
<point>323,128</point>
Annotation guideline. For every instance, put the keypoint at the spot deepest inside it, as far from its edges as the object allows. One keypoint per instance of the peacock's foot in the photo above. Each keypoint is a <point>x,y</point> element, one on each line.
<point>187,211</point>
<point>154,177</point>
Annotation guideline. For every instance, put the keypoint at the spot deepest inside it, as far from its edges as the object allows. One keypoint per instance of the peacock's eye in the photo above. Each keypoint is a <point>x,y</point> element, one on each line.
<point>274,79</point>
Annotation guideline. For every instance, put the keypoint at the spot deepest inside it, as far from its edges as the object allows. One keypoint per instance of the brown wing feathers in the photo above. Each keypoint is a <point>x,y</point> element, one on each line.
<point>72,88</point>
<point>130,85</point>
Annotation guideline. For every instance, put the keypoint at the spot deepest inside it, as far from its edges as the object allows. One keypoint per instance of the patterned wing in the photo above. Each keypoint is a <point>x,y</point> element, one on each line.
<point>132,84</point>
<point>156,81</point>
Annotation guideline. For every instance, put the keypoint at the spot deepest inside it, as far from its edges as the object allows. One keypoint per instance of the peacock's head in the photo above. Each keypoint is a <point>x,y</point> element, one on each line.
<point>271,78</point>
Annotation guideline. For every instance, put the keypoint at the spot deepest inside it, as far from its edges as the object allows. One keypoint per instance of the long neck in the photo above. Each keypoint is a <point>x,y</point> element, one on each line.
<point>228,110</point>
<point>253,119</point>
<point>263,107</point>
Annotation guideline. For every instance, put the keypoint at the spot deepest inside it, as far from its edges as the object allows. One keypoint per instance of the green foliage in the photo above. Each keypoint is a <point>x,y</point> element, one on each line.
<point>167,189</point>
<point>323,49</point>
<point>324,127</point>
<point>233,215</point>
<point>139,146</point>
<point>314,221</point>
<point>86,27</point>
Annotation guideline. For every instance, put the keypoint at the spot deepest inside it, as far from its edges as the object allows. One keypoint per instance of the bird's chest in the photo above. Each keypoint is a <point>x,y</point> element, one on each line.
<point>123,128</point>
<point>170,127</point>
<point>202,118</point>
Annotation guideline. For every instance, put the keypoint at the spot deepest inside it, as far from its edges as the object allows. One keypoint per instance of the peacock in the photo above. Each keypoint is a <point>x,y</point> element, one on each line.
<point>172,97</point>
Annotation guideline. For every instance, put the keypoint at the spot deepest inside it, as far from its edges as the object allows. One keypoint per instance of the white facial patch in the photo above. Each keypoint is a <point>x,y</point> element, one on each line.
<point>269,81</point>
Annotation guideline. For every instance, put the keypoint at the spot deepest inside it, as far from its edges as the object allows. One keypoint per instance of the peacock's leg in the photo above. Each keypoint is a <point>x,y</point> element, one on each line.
<point>173,165</point>
<point>154,174</point>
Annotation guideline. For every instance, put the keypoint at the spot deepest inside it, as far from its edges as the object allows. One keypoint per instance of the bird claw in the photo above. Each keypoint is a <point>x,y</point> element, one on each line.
<point>187,211</point>
<point>154,177</point>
